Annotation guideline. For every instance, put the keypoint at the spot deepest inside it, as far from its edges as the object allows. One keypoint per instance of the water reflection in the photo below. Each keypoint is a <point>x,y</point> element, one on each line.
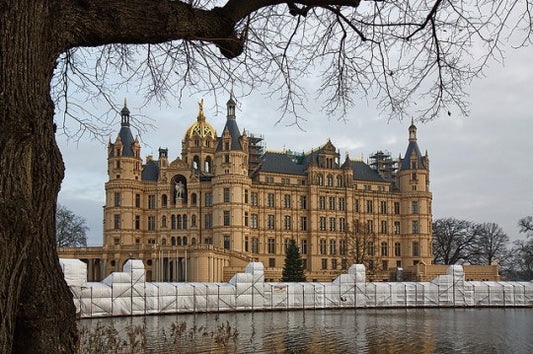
<point>349,331</point>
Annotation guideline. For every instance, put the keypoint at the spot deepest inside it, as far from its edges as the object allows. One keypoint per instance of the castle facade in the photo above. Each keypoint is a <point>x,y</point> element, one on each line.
<point>203,216</point>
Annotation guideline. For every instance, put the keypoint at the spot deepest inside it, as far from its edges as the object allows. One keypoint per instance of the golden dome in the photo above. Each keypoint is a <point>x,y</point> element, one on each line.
<point>201,128</point>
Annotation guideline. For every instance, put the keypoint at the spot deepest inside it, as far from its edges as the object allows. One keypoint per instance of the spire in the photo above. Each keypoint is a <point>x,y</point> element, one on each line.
<point>231,106</point>
<point>201,115</point>
<point>412,131</point>
<point>125,114</point>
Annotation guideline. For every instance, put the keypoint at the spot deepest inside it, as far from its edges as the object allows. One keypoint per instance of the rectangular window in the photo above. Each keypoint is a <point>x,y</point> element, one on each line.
<point>208,199</point>
<point>287,201</point>
<point>303,202</point>
<point>333,263</point>
<point>226,158</point>
<point>303,223</point>
<point>287,222</point>
<point>285,245</point>
<point>116,240</point>
<point>342,247</point>
<point>254,221</point>
<point>246,196</point>
<point>332,223</point>
<point>414,207</point>
<point>226,218</point>
<point>303,246</point>
<point>254,198</point>
<point>285,181</point>
<point>227,242</point>
<point>246,244</point>
<point>270,200</point>
<point>322,223</point>
<point>356,206</point>
<point>397,249</point>
<point>322,246</point>
<point>151,201</point>
<point>137,222</point>
<point>117,199</point>
<point>245,218</point>
<point>383,229</point>
<point>384,249</point>
<point>208,221</point>
<point>413,176</point>
<point>331,203</point>
<point>271,246</point>
<point>383,207</point>
<point>116,221</point>
<point>344,263</point>
<point>415,226</point>
<point>332,247</point>
<point>397,208</point>
<point>272,262</point>
<point>369,206</point>
<point>398,264</point>
<point>321,203</point>
<point>271,222</point>
<point>385,264</point>
<point>137,200</point>
<point>342,204</point>
<point>151,223</point>
<point>416,251</point>
<point>370,226</point>
<point>164,222</point>
<point>396,227</point>
<point>370,248</point>
<point>342,224</point>
<point>226,195</point>
<point>255,245</point>
<point>324,263</point>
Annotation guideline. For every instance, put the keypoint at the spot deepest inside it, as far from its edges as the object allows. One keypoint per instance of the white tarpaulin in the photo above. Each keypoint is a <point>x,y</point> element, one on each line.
<point>126,293</point>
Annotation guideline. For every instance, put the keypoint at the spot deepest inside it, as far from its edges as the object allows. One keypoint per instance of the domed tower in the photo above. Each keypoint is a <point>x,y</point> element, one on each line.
<point>231,185</point>
<point>124,168</point>
<point>199,144</point>
<point>415,207</point>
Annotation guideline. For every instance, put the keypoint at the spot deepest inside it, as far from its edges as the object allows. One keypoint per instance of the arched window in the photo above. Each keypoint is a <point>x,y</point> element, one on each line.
<point>207,163</point>
<point>330,181</point>
<point>163,241</point>
<point>164,222</point>
<point>173,222</point>
<point>173,240</point>
<point>185,240</point>
<point>179,241</point>
<point>193,241</point>
<point>339,181</point>
<point>179,222</point>
<point>320,180</point>
<point>196,162</point>
<point>164,200</point>
<point>193,199</point>
<point>184,221</point>
<point>193,221</point>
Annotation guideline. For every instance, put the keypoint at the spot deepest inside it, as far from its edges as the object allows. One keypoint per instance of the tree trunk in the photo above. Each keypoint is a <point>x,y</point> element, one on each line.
<point>36,308</point>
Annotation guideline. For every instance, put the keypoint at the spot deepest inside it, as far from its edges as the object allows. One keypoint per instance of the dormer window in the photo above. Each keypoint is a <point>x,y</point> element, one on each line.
<point>226,145</point>
<point>413,165</point>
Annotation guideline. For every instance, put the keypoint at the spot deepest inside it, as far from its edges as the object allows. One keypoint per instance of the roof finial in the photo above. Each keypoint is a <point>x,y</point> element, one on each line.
<point>125,113</point>
<point>412,121</point>
<point>201,115</point>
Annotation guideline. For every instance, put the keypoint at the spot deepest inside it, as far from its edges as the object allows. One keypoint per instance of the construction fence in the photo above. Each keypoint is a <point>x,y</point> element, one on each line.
<point>127,293</point>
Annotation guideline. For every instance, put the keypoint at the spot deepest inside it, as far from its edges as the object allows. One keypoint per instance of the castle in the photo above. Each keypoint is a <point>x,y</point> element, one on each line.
<point>203,216</point>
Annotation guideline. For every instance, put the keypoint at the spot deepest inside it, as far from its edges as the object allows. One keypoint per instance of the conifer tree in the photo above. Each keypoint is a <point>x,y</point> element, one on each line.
<point>293,270</point>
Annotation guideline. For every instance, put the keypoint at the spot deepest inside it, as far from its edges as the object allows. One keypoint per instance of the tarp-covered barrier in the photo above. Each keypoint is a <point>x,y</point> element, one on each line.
<point>127,293</point>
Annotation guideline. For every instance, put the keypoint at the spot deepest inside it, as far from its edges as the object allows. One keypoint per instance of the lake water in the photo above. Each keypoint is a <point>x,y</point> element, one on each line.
<point>447,330</point>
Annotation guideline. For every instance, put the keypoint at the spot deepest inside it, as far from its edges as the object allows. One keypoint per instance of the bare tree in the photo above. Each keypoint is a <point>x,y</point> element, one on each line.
<point>490,245</point>
<point>400,51</point>
<point>363,248</point>
<point>454,241</point>
<point>71,230</point>
<point>526,225</point>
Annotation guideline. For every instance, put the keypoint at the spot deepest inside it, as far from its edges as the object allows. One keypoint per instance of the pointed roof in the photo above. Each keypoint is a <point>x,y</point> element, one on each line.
<point>125,135</point>
<point>412,148</point>
<point>231,126</point>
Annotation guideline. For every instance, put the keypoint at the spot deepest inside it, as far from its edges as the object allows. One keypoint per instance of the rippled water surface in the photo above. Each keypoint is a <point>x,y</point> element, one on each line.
<point>343,331</point>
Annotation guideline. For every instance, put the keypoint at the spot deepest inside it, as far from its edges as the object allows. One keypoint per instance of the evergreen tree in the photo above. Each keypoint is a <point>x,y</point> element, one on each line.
<point>293,270</point>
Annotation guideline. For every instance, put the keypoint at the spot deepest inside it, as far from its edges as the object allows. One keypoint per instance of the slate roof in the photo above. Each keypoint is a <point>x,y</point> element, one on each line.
<point>127,140</point>
<point>278,162</point>
<point>231,125</point>
<point>150,171</point>
<point>406,162</point>
<point>361,171</point>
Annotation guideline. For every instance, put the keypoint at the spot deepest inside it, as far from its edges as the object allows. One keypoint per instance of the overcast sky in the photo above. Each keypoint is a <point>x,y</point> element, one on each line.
<point>481,165</point>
